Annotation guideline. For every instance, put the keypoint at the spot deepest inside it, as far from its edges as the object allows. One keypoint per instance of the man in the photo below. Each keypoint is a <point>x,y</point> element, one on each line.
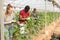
<point>34,13</point>
<point>24,14</point>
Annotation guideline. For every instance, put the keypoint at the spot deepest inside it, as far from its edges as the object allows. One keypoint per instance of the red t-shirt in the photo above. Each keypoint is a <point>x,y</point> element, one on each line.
<point>24,15</point>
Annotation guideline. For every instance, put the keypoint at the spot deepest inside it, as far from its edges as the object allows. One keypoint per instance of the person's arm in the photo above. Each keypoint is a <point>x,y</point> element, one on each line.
<point>5,20</point>
<point>20,16</point>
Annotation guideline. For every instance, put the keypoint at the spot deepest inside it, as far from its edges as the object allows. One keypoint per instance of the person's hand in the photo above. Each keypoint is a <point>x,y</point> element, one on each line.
<point>23,18</point>
<point>13,21</point>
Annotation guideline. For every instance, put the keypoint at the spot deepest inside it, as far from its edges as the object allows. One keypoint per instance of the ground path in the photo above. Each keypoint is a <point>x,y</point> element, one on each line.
<point>46,33</point>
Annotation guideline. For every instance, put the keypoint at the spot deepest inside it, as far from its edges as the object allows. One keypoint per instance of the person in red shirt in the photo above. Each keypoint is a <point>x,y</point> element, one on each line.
<point>24,14</point>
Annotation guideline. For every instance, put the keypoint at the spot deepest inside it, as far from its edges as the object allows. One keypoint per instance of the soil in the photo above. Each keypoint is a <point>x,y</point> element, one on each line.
<point>47,32</point>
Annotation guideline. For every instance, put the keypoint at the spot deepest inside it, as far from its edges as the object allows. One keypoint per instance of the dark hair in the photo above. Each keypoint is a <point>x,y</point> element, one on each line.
<point>8,7</point>
<point>34,9</point>
<point>27,8</point>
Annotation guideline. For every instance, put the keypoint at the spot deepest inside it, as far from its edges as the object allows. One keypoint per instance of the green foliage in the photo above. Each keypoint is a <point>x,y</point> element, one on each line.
<point>32,26</point>
<point>16,15</point>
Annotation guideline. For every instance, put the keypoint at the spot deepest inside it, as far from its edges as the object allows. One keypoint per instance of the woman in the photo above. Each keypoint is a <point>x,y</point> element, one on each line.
<point>8,21</point>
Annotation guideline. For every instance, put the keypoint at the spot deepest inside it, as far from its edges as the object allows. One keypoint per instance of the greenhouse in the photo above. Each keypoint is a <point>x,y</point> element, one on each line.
<point>30,20</point>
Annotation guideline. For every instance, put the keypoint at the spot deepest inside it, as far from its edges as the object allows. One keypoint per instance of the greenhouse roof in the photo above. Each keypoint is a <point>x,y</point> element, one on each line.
<point>39,4</point>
